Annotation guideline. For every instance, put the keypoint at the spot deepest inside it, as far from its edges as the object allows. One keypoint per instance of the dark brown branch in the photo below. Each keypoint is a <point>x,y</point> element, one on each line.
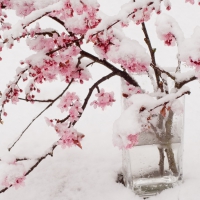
<point>98,90</point>
<point>180,84</point>
<point>37,100</point>
<point>58,21</point>
<point>40,114</point>
<point>61,23</point>
<point>41,159</point>
<point>36,19</point>
<point>118,72</point>
<point>117,21</point>
<point>152,53</point>
<point>20,159</point>
<point>16,82</point>
<point>162,71</point>
<point>50,34</point>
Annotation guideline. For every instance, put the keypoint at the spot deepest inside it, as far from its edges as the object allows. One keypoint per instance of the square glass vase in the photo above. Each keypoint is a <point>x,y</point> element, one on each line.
<point>155,163</point>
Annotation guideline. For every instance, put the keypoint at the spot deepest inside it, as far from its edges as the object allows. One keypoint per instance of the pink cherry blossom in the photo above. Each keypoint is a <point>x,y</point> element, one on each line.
<point>129,90</point>
<point>169,39</point>
<point>19,182</point>
<point>5,182</point>
<point>132,140</point>
<point>49,122</point>
<point>190,1</point>
<point>68,136</point>
<point>68,100</point>
<point>104,99</point>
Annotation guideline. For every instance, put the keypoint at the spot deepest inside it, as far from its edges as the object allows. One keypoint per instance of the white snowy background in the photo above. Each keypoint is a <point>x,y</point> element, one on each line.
<point>90,173</point>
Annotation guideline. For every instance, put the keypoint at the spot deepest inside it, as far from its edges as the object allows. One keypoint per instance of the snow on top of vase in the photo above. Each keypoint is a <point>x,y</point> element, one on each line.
<point>135,119</point>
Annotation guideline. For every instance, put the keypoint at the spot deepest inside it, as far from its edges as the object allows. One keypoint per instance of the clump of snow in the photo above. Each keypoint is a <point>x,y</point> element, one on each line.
<point>168,30</point>
<point>132,120</point>
<point>130,54</point>
<point>189,49</point>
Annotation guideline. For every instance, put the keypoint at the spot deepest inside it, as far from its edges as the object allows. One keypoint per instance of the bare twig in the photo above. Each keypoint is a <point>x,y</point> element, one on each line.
<point>163,71</point>
<point>37,100</point>
<point>152,53</point>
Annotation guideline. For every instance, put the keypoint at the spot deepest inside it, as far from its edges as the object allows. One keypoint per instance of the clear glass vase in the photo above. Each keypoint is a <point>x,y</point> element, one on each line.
<point>155,163</point>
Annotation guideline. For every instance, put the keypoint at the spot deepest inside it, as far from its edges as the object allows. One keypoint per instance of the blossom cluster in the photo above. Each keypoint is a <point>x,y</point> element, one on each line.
<point>15,175</point>
<point>103,99</point>
<point>128,89</point>
<point>79,16</point>
<point>69,136</point>
<point>71,102</point>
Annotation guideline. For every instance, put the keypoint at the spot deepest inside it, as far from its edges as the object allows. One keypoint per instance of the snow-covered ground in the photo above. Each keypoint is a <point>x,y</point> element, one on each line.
<point>90,173</point>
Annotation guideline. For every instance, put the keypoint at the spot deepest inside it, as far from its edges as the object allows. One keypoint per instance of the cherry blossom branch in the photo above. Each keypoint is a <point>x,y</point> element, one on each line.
<point>95,85</point>
<point>40,114</point>
<point>119,20</point>
<point>118,72</point>
<point>39,160</point>
<point>10,90</point>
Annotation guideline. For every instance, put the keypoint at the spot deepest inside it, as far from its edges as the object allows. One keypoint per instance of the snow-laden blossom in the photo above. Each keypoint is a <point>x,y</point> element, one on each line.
<point>68,136</point>
<point>189,49</point>
<point>129,90</point>
<point>67,100</point>
<point>103,99</point>
<point>14,175</point>
<point>168,30</point>
<point>190,1</point>
<point>167,4</point>
<point>133,140</point>
<point>79,16</point>
<point>102,42</point>
<point>169,39</point>
<point>130,54</point>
